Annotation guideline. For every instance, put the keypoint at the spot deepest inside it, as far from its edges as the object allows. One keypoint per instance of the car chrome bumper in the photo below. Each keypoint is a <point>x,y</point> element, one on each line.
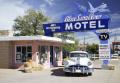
<point>80,69</point>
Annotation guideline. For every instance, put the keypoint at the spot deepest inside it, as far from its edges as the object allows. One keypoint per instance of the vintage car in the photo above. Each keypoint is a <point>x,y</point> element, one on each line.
<point>78,62</point>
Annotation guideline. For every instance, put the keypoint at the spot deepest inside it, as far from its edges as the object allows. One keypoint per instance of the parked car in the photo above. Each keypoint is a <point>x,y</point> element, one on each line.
<point>78,62</point>
<point>115,56</point>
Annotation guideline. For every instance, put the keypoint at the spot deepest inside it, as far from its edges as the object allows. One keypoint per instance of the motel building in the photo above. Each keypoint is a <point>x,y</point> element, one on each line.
<point>44,50</point>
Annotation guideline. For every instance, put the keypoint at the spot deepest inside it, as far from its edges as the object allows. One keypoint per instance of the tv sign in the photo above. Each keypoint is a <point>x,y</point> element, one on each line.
<point>104,36</point>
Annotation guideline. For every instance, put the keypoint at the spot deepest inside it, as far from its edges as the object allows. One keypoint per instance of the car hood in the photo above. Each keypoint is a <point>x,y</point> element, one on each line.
<point>78,61</point>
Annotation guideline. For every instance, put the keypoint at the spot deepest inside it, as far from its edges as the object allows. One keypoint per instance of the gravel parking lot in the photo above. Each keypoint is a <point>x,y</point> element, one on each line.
<point>56,75</point>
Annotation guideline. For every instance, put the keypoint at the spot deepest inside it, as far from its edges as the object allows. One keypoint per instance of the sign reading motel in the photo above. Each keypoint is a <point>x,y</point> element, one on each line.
<point>78,23</point>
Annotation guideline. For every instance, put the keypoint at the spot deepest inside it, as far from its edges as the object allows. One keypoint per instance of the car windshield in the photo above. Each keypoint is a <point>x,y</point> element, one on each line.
<point>78,55</point>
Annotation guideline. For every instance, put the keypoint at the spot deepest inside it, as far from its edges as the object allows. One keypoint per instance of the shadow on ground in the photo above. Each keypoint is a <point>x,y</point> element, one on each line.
<point>96,68</point>
<point>59,72</point>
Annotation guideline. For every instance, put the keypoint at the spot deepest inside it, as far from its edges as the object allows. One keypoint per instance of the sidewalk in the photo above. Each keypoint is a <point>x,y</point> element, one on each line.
<point>115,77</point>
<point>56,75</point>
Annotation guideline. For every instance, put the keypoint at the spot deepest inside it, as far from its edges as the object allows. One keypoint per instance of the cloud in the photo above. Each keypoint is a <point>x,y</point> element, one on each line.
<point>115,16</point>
<point>115,35</point>
<point>115,20</point>
<point>43,8</point>
<point>50,2</point>
<point>82,8</point>
<point>9,10</point>
<point>88,37</point>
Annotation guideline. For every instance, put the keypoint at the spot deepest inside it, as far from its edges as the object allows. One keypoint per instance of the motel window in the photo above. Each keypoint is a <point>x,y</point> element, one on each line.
<point>23,53</point>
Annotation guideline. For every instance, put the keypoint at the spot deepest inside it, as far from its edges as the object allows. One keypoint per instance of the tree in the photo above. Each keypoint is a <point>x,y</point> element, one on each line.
<point>30,23</point>
<point>93,49</point>
<point>71,47</point>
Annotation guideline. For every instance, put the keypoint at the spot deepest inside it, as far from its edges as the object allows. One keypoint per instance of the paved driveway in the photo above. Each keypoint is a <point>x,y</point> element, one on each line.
<point>56,75</point>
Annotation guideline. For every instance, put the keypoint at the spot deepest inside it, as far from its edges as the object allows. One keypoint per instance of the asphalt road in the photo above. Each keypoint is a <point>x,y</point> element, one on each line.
<point>56,75</point>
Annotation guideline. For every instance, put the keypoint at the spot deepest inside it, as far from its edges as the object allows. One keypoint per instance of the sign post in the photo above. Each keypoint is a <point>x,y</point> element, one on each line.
<point>104,47</point>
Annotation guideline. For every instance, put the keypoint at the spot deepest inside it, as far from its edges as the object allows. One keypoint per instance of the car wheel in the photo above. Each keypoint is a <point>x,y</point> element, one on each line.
<point>89,74</point>
<point>67,73</point>
<point>85,74</point>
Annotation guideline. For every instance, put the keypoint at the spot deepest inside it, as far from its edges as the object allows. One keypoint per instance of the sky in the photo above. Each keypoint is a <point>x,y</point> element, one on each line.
<point>57,9</point>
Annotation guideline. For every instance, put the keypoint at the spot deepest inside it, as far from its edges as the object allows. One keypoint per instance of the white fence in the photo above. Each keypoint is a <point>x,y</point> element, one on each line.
<point>96,57</point>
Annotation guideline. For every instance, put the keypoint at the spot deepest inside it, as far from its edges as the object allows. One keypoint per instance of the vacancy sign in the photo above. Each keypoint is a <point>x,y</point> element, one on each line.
<point>104,51</point>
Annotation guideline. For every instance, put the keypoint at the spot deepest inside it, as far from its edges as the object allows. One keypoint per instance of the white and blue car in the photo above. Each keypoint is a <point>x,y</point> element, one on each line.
<point>78,62</point>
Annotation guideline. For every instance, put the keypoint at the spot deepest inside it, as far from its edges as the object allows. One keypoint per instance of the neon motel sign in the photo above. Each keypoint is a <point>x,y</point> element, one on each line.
<point>78,23</point>
<point>84,24</point>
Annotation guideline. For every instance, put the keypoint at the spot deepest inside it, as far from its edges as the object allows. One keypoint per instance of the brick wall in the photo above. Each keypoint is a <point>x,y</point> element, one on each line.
<point>4,54</point>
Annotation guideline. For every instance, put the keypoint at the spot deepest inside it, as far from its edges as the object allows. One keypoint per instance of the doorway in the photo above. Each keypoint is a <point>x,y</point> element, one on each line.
<point>43,52</point>
<point>51,56</point>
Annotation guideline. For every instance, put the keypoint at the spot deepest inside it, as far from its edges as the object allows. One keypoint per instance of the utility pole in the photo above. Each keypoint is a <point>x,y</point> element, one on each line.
<point>115,40</point>
<point>84,42</point>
